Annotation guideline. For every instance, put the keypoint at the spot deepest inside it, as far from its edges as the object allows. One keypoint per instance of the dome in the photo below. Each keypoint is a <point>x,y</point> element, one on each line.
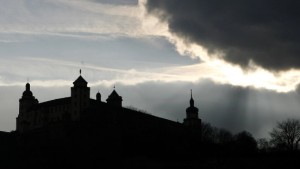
<point>192,110</point>
<point>27,92</point>
<point>98,96</point>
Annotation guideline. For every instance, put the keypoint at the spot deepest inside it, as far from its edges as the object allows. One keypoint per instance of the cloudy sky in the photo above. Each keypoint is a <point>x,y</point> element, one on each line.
<point>239,57</point>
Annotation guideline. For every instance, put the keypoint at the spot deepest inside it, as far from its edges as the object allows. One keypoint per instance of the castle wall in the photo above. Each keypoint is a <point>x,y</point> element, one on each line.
<point>44,116</point>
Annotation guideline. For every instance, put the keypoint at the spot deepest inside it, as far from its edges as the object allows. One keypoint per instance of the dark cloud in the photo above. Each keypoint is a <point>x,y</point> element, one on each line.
<point>266,32</point>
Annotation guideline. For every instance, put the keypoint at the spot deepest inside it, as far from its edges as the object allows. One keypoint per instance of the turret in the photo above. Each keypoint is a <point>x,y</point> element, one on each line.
<point>98,96</point>
<point>80,96</point>
<point>25,103</point>
<point>192,119</point>
<point>114,99</point>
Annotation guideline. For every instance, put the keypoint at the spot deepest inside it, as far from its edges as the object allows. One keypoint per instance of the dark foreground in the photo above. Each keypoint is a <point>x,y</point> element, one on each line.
<point>88,153</point>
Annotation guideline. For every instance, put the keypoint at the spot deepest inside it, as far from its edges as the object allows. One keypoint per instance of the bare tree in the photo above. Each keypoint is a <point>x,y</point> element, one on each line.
<point>263,144</point>
<point>286,134</point>
<point>209,133</point>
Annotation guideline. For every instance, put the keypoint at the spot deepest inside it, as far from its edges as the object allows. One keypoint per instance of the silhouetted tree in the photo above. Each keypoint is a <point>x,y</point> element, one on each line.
<point>245,143</point>
<point>209,133</point>
<point>215,135</point>
<point>286,134</point>
<point>263,144</point>
<point>224,136</point>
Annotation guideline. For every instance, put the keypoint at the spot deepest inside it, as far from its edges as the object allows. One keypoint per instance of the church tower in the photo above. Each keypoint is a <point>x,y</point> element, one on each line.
<point>25,103</point>
<point>192,119</point>
<point>114,99</point>
<point>80,97</point>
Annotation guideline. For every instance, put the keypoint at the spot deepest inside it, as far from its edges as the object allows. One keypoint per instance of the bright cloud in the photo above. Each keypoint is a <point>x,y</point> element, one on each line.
<point>89,20</point>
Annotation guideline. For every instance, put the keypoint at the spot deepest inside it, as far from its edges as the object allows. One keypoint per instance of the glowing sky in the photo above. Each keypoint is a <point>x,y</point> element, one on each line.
<point>119,43</point>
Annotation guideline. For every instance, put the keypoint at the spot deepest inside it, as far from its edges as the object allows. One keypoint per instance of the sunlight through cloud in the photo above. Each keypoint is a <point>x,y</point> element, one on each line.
<point>90,20</point>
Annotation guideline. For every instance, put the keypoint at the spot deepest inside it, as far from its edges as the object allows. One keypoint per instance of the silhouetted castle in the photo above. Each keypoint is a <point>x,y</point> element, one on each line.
<point>80,132</point>
<point>80,107</point>
<point>88,131</point>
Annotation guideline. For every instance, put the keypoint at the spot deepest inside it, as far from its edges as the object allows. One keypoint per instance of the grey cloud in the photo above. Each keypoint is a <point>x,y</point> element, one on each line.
<point>118,2</point>
<point>266,32</point>
<point>9,107</point>
<point>120,52</point>
<point>224,106</point>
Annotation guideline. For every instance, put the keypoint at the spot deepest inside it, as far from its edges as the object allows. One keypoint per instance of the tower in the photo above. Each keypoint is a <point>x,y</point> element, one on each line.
<point>80,97</point>
<point>98,96</point>
<point>25,103</point>
<point>114,99</point>
<point>192,119</point>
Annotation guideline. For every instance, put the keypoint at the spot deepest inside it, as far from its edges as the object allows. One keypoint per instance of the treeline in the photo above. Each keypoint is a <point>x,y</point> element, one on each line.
<point>284,138</point>
<point>222,142</point>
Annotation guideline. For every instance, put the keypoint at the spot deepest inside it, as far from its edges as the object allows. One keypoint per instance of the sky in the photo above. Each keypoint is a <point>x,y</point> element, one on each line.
<point>239,57</point>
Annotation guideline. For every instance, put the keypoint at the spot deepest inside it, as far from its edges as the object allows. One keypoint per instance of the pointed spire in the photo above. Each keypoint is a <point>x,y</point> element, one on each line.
<point>80,81</point>
<point>191,112</point>
<point>192,100</point>
<point>80,72</point>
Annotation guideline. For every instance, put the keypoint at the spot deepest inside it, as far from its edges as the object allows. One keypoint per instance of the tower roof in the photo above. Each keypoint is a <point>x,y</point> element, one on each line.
<point>98,96</point>
<point>113,95</point>
<point>114,99</point>
<point>27,92</point>
<point>80,81</point>
<point>192,110</point>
